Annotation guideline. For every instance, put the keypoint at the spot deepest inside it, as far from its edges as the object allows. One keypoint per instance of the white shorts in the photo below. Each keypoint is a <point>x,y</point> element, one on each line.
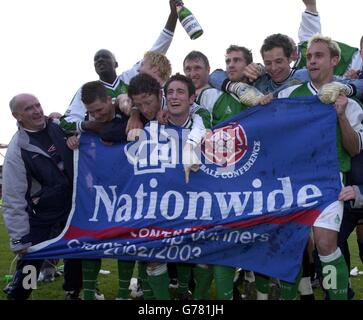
<point>331,217</point>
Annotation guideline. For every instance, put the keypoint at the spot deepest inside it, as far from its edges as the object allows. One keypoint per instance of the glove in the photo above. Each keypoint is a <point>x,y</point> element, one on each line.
<point>248,95</point>
<point>197,131</point>
<point>190,160</point>
<point>329,92</point>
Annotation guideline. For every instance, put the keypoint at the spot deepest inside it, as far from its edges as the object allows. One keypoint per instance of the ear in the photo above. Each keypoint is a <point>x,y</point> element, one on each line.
<point>192,99</point>
<point>16,116</point>
<point>116,64</point>
<point>335,60</point>
<point>109,100</point>
<point>156,71</point>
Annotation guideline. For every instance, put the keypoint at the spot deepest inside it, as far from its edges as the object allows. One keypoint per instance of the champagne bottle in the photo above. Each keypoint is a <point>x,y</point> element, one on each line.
<point>188,21</point>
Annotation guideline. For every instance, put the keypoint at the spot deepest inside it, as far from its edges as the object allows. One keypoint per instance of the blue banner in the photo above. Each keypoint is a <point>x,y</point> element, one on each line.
<point>265,177</point>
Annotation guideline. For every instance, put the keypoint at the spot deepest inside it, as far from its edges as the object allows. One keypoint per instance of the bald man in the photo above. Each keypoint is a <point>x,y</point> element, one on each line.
<point>37,191</point>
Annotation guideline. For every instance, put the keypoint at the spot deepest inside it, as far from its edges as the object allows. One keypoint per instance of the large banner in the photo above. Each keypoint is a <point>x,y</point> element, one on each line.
<point>265,177</point>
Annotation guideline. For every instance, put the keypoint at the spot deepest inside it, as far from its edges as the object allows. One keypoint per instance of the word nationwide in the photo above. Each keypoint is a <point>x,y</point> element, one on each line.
<point>147,203</point>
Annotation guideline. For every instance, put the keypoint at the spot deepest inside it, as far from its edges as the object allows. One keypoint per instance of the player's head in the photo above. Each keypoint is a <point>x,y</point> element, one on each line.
<point>276,52</point>
<point>322,55</point>
<point>105,63</point>
<point>237,58</point>
<point>196,67</point>
<point>145,93</point>
<point>180,95</point>
<point>157,65</point>
<point>98,104</point>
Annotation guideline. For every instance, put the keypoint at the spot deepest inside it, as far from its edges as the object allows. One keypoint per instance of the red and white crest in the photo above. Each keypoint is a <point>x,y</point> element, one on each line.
<point>225,146</point>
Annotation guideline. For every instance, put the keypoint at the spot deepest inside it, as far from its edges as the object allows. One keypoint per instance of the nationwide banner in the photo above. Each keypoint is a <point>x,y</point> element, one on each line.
<point>265,176</point>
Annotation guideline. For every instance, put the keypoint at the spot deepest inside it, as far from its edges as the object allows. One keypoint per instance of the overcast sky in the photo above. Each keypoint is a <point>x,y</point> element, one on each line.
<point>47,47</point>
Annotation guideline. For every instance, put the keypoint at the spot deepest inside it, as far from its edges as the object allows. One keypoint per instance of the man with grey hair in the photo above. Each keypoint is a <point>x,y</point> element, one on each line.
<point>37,192</point>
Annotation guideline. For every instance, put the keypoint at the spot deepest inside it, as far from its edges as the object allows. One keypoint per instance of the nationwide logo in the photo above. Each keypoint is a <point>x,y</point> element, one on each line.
<point>155,151</point>
<point>224,148</point>
<point>224,153</point>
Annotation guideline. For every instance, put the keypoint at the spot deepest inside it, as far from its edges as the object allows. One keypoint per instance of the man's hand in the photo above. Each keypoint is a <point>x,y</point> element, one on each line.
<point>310,6</point>
<point>173,16</point>
<point>124,103</point>
<point>134,126</point>
<point>252,72</point>
<point>134,134</point>
<point>341,105</point>
<point>190,160</point>
<point>55,115</point>
<point>352,74</point>
<point>347,193</point>
<point>73,142</point>
<point>330,92</point>
<point>266,99</point>
<point>162,117</point>
<point>172,5</point>
<point>21,252</point>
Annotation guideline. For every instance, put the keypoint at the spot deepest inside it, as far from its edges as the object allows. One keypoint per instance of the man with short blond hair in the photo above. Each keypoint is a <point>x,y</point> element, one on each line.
<point>323,55</point>
<point>157,65</point>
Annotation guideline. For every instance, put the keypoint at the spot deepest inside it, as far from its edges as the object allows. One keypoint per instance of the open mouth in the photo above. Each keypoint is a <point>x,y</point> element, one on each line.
<point>313,69</point>
<point>38,119</point>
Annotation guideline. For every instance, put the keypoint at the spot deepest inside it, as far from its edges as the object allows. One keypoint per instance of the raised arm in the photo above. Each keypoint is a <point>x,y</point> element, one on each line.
<point>310,21</point>
<point>172,18</point>
<point>161,44</point>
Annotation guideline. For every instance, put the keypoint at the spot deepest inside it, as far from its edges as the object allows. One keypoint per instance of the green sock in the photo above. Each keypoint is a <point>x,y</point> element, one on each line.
<point>125,271</point>
<point>262,286</point>
<point>184,272</point>
<point>148,293</point>
<point>336,276</point>
<point>288,289</point>
<point>203,276</point>
<point>223,277</point>
<point>160,286</point>
<point>90,270</point>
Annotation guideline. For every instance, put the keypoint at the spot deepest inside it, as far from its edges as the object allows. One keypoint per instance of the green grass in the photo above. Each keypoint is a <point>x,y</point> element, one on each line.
<point>52,290</point>
<point>108,283</point>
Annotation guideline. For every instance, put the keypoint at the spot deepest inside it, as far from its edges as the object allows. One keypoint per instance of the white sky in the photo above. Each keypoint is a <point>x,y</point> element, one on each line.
<point>47,47</point>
